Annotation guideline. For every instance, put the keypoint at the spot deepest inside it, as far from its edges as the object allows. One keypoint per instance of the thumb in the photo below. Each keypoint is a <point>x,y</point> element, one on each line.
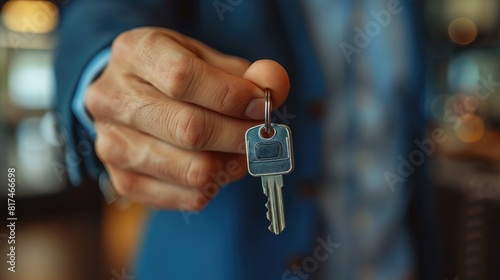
<point>269,74</point>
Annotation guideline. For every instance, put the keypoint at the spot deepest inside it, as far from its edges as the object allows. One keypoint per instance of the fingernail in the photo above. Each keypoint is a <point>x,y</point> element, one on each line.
<point>255,109</point>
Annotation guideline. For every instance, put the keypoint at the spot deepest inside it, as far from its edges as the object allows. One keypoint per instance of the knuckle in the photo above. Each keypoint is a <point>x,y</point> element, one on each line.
<point>190,128</point>
<point>156,164</point>
<point>124,43</point>
<point>125,185</point>
<point>92,99</point>
<point>120,104</point>
<point>134,44</point>
<point>168,64</point>
<point>109,149</point>
<point>178,71</point>
<point>198,173</point>
<point>101,147</point>
<point>159,166</point>
<point>145,47</point>
<point>113,102</point>
<point>134,156</point>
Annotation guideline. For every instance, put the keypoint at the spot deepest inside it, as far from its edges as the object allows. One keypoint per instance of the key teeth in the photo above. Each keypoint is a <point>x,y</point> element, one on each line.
<point>270,192</point>
<point>268,213</point>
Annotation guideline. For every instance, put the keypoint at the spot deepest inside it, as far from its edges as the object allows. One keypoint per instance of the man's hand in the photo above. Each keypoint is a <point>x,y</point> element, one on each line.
<point>170,112</point>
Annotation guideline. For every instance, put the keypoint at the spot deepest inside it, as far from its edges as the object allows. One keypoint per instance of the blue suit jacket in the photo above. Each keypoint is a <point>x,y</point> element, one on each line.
<point>229,239</point>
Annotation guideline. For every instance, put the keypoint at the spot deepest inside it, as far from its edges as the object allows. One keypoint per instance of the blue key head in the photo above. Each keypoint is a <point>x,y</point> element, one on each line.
<point>269,154</point>
<point>268,150</point>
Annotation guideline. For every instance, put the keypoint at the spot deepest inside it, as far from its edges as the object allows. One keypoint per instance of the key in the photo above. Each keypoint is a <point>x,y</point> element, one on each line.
<point>269,156</point>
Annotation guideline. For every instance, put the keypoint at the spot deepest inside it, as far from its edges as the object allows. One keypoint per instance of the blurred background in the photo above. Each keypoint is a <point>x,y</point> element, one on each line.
<point>70,233</point>
<point>62,232</point>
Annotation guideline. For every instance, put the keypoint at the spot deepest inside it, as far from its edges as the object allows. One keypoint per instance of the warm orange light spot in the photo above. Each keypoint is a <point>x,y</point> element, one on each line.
<point>462,31</point>
<point>471,129</point>
<point>30,16</point>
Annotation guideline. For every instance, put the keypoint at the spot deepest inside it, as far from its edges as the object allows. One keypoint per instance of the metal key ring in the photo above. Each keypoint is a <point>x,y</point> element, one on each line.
<point>267,110</point>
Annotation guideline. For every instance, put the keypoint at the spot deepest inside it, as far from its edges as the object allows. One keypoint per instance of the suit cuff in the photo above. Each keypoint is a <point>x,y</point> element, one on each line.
<point>93,69</point>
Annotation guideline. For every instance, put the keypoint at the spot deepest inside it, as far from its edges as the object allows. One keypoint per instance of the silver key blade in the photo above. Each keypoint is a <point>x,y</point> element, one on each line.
<point>271,186</point>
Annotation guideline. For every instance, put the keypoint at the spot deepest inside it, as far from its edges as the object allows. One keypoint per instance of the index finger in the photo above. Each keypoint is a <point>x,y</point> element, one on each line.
<point>181,74</point>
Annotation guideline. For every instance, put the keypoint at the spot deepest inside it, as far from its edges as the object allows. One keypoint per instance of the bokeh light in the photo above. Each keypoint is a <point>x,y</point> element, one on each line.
<point>463,74</point>
<point>462,31</point>
<point>471,129</point>
<point>30,16</point>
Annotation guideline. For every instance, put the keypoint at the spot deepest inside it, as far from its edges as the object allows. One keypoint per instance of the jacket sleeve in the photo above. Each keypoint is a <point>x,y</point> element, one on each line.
<point>87,28</point>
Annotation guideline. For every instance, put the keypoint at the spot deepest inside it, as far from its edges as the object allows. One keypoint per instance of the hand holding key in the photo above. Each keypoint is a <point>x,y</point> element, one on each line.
<point>269,156</point>
<point>169,111</point>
